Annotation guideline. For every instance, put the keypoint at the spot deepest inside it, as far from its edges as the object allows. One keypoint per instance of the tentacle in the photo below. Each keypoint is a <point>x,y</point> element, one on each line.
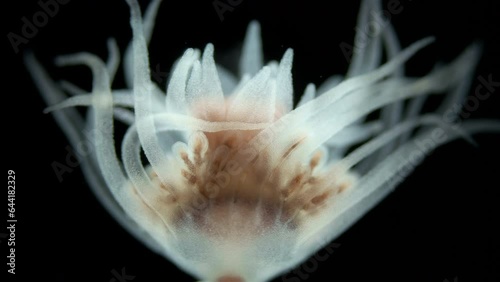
<point>143,97</point>
<point>354,134</point>
<point>309,94</point>
<point>204,91</point>
<point>381,180</point>
<point>113,58</point>
<point>120,98</point>
<point>251,60</point>
<point>141,181</point>
<point>103,106</point>
<point>70,121</point>
<point>148,25</point>
<point>333,96</point>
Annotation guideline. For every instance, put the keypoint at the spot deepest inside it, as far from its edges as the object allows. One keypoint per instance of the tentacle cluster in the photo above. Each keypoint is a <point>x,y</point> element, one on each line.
<point>236,180</point>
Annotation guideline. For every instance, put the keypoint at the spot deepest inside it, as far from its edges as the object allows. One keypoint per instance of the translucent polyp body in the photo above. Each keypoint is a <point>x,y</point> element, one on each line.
<point>222,175</point>
<point>229,206</point>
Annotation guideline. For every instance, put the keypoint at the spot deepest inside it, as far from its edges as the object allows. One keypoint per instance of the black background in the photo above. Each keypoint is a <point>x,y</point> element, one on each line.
<point>439,224</point>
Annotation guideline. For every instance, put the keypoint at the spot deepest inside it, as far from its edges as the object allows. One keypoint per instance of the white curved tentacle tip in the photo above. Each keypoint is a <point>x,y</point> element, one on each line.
<point>251,57</point>
<point>113,57</point>
<point>211,76</point>
<point>476,48</point>
<point>308,95</point>
<point>65,60</point>
<point>188,53</point>
<point>208,52</point>
<point>253,28</point>
<point>284,84</point>
<point>82,58</point>
<point>83,100</point>
<point>287,59</point>
<point>176,85</point>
